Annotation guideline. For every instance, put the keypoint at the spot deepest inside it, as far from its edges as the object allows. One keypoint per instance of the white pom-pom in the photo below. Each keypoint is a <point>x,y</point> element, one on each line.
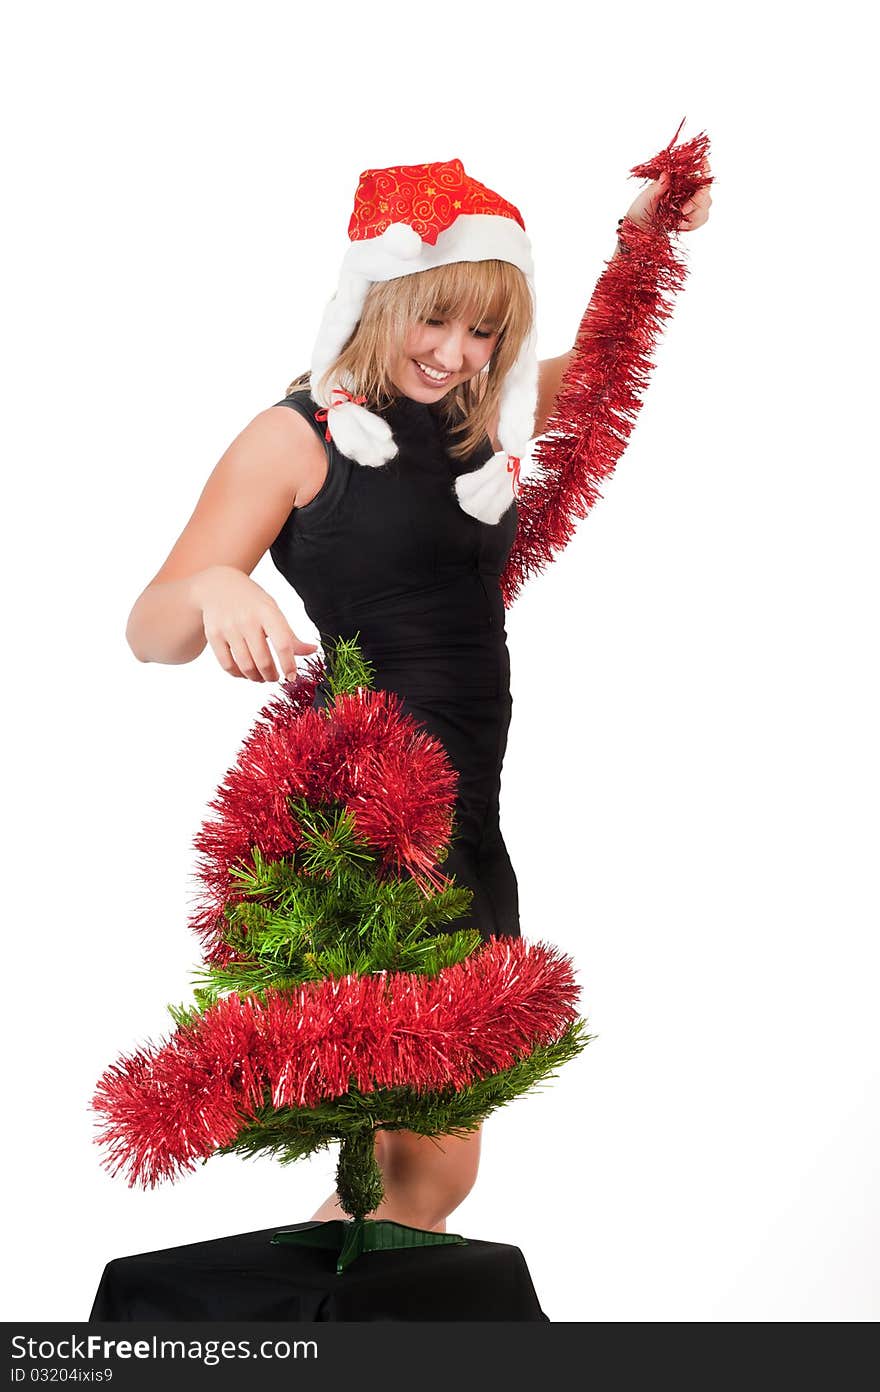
<point>402,241</point>
<point>486,493</point>
<point>360,435</point>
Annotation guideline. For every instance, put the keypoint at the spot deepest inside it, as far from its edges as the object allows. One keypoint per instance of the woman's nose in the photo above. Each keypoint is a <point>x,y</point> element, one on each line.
<point>450,351</point>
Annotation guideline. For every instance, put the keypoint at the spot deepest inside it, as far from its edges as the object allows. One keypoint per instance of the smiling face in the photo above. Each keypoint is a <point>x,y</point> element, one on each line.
<point>466,320</point>
<point>439,353</point>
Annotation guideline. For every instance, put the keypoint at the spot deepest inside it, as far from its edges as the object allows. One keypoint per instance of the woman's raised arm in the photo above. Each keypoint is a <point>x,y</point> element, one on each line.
<point>589,398</point>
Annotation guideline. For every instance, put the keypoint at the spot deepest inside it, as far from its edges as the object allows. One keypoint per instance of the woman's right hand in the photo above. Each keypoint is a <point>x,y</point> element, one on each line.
<point>239,616</point>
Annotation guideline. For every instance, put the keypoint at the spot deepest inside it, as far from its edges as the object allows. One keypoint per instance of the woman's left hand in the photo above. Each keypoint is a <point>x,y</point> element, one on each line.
<point>693,213</point>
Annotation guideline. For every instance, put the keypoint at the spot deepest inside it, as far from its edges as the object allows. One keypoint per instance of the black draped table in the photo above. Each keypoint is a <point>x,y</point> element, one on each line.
<point>246,1277</point>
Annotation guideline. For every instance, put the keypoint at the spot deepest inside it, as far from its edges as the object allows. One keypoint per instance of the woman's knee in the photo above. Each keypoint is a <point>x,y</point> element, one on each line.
<point>443,1166</point>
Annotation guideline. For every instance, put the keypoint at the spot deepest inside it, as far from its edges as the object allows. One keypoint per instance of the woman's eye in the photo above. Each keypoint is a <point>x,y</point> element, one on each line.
<point>479,333</point>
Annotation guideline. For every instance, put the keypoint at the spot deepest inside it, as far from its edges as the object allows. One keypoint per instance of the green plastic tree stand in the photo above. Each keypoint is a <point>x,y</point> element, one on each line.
<point>360,1189</point>
<point>357,1235</point>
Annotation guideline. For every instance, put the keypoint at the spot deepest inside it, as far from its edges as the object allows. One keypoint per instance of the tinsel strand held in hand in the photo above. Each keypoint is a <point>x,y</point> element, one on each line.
<point>600,396</point>
<point>169,1106</point>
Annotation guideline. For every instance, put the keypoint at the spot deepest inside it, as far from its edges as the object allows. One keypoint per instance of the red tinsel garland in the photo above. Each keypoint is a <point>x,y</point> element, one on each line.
<point>600,397</point>
<point>168,1107</point>
<point>365,753</point>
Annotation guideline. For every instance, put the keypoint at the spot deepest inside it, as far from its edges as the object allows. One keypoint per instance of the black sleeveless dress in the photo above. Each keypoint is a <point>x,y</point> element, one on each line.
<point>388,553</point>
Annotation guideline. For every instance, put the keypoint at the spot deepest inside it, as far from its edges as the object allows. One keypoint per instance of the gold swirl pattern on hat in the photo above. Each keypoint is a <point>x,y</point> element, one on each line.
<point>428,197</point>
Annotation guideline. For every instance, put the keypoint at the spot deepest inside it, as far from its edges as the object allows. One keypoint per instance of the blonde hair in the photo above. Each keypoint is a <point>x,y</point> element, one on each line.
<point>482,290</point>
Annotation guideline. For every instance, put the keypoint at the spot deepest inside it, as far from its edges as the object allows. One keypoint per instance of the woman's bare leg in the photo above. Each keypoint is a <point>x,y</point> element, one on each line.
<point>425,1178</point>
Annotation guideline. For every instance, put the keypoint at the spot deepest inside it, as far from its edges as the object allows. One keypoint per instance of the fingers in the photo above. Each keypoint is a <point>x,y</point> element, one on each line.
<point>244,663</point>
<point>696,219</point>
<point>247,654</point>
<point>240,620</point>
<point>287,645</point>
<point>223,654</point>
<point>696,210</point>
<point>252,657</point>
<point>261,662</point>
<point>701,199</point>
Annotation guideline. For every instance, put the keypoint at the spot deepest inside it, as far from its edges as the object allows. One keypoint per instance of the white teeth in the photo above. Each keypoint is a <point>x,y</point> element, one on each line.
<point>430,372</point>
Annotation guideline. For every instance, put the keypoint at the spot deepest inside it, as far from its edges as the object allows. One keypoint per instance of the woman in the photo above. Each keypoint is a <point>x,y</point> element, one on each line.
<point>384,486</point>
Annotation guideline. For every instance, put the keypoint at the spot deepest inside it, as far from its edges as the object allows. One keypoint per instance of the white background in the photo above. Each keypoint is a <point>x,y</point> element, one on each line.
<point>690,792</point>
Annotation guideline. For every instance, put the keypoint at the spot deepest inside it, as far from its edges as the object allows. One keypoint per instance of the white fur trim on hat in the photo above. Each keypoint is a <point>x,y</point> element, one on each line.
<point>472,237</point>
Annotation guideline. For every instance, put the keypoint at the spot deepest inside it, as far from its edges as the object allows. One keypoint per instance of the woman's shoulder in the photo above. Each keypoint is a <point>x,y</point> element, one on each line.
<point>309,456</point>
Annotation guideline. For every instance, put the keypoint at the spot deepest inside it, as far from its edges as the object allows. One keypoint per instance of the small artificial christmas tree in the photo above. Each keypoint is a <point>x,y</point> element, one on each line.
<point>335,995</point>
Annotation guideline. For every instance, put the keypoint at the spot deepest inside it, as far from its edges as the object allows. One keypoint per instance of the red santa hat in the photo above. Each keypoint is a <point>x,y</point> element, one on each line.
<point>411,218</point>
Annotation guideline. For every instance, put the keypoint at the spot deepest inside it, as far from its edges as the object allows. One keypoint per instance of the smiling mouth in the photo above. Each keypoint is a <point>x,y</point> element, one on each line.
<point>431,374</point>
